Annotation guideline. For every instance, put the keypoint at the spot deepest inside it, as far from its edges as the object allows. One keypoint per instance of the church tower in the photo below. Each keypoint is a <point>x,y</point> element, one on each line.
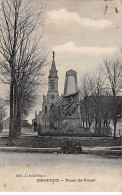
<point>50,117</point>
<point>53,81</point>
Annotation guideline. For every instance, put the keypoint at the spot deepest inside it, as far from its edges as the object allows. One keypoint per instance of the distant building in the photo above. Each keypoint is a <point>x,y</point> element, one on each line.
<point>24,123</point>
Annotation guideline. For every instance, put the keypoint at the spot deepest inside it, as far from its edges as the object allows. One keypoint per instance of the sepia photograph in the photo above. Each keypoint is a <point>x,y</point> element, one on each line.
<point>60,95</point>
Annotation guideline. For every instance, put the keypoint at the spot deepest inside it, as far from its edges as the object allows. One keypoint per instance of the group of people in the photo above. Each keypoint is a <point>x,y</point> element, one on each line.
<point>71,146</point>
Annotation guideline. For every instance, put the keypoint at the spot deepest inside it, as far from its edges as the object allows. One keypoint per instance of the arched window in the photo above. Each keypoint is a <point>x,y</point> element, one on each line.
<point>45,109</point>
<point>52,106</point>
<point>52,84</point>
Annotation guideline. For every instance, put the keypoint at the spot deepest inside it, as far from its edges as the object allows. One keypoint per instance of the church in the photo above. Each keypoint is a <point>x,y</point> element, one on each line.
<point>58,111</point>
<point>50,116</point>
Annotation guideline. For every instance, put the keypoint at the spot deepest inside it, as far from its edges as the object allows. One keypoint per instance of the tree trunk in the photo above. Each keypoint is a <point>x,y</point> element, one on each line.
<point>15,112</point>
<point>1,126</point>
<point>114,136</point>
<point>104,123</point>
<point>11,126</point>
<point>89,125</point>
<point>18,124</point>
<point>96,121</point>
<point>83,123</point>
<point>114,114</point>
<point>86,122</point>
<point>99,126</point>
<point>86,112</point>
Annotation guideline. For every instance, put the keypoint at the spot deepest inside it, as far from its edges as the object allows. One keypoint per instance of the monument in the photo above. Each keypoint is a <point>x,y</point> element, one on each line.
<point>70,104</point>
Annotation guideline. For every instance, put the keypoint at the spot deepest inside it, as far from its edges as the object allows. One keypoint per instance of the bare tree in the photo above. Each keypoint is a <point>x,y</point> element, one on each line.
<point>97,92</point>
<point>113,72</point>
<point>22,60</point>
<point>87,110</point>
<point>95,105</point>
<point>92,90</point>
<point>85,93</point>
<point>106,110</point>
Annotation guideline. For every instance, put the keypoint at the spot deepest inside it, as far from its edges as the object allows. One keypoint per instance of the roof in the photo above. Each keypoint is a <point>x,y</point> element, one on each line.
<point>71,73</point>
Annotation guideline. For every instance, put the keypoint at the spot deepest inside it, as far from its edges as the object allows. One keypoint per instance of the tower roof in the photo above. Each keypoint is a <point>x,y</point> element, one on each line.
<point>53,71</point>
<point>53,67</point>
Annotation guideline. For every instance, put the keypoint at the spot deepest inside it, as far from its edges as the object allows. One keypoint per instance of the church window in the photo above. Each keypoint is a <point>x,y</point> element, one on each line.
<point>52,84</point>
<point>52,107</point>
<point>45,109</point>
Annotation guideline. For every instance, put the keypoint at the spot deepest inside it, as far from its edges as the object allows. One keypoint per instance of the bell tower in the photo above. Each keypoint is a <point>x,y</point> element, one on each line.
<point>53,81</point>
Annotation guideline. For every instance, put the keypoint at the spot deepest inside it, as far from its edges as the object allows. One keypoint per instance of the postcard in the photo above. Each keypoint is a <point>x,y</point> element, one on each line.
<point>60,95</point>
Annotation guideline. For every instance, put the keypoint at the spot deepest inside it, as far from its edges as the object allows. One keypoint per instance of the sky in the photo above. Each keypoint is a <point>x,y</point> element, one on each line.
<point>81,33</point>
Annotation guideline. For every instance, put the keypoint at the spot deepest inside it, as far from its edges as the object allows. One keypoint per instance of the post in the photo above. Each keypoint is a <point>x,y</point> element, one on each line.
<point>120,140</point>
